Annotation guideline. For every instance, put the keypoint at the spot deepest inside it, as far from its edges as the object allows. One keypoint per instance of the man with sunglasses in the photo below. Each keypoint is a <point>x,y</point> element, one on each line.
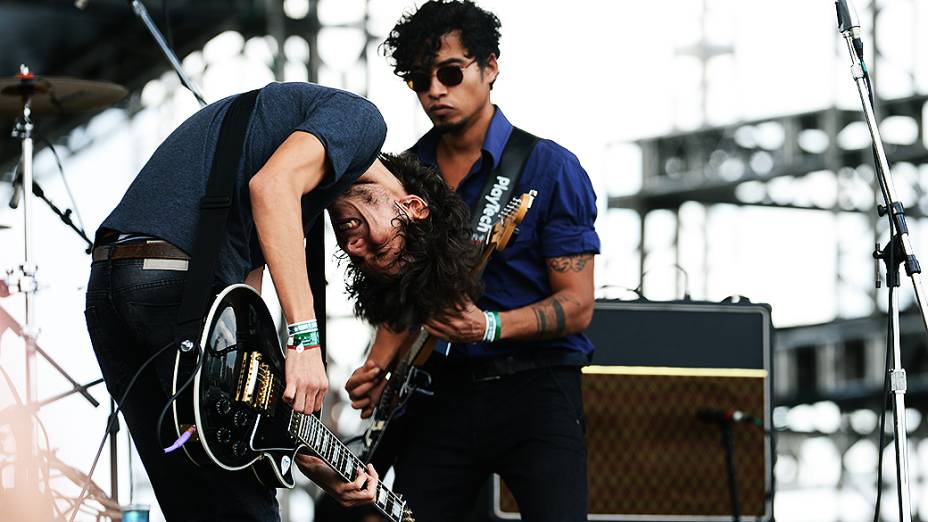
<point>507,394</point>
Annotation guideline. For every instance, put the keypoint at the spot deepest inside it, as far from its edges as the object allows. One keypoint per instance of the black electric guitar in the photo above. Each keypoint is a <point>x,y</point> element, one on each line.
<point>234,409</point>
<point>406,379</point>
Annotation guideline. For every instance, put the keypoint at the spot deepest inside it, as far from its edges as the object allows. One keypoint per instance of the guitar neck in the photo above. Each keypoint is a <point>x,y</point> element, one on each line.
<point>325,445</point>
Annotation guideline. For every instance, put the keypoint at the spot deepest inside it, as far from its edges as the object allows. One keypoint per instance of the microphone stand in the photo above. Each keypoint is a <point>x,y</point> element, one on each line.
<point>728,443</point>
<point>64,216</point>
<point>140,11</point>
<point>897,251</point>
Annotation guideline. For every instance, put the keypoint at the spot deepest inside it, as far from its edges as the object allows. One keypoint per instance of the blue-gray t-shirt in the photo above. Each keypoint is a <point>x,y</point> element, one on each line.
<point>164,199</point>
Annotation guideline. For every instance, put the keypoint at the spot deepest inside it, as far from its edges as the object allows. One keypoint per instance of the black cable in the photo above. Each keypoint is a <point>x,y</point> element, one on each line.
<point>167,405</point>
<point>883,398</point>
<point>109,426</point>
<point>892,280</point>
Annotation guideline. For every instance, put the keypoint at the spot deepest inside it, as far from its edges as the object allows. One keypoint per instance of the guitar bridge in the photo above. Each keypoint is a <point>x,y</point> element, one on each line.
<point>257,384</point>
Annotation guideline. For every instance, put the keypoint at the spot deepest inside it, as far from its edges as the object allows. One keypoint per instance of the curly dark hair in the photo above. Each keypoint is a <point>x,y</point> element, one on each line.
<point>414,40</point>
<point>436,263</point>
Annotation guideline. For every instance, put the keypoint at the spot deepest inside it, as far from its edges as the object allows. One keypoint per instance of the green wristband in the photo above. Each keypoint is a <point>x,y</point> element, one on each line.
<point>310,338</point>
<point>499,327</point>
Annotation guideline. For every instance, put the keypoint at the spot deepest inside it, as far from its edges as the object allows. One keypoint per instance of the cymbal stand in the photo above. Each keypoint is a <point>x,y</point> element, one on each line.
<point>25,276</point>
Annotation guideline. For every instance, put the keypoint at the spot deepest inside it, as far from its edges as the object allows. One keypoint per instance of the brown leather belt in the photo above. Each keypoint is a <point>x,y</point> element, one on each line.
<point>153,250</point>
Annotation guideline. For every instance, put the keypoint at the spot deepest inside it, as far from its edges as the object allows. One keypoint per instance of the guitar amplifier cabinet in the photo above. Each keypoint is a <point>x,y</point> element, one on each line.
<point>656,365</point>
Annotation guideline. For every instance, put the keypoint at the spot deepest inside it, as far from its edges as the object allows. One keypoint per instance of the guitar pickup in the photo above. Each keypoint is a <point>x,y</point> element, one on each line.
<point>248,378</point>
<point>257,385</point>
<point>266,398</point>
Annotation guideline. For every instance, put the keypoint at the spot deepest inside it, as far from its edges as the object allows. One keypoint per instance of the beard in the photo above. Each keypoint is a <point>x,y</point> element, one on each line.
<point>451,127</point>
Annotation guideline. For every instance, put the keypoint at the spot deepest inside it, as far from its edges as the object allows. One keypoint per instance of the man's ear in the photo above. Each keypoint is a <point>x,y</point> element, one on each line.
<point>415,206</point>
<point>491,69</point>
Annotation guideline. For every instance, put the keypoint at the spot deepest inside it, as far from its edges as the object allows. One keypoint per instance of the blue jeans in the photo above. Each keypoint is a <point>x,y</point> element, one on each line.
<point>130,314</point>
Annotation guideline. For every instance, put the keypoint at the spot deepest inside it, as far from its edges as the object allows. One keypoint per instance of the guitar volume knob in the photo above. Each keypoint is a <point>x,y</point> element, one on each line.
<point>223,406</point>
<point>240,418</point>
<point>223,435</point>
<point>239,449</point>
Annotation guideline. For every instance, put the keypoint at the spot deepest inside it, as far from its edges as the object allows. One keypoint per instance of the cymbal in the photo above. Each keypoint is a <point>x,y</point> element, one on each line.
<point>56,95</point>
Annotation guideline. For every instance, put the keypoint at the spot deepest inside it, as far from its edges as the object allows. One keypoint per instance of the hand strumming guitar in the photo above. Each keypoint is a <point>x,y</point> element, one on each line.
<point>306,380</point>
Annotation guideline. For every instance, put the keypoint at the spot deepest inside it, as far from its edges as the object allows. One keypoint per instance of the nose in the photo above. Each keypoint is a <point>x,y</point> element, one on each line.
<point>436,88</point>
<point>356,246</point>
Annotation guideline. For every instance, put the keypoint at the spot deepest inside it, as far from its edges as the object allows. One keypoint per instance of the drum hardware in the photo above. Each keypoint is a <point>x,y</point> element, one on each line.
<point>22,96</point>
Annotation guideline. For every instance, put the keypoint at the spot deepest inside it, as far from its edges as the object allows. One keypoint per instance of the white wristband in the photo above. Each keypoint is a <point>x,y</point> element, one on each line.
<point>489,334</point>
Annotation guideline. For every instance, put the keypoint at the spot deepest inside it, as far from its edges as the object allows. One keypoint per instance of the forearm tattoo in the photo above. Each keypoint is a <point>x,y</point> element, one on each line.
<point>569,263</point>
<point>551,315</point>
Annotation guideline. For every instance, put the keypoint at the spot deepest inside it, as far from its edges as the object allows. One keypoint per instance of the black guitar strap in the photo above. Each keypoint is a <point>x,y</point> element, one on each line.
<point>497,191</point>
<point>502,182</point>
<point>315,265</point>
<point>214,213</point>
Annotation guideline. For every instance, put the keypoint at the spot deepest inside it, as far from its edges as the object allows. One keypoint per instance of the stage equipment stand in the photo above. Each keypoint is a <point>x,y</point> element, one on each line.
<point>897,251</point>
<point>25,278</point>
<point>139,9</point>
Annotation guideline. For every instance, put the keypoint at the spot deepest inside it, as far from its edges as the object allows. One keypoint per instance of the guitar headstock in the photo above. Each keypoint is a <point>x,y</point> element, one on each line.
<point>510,218</point>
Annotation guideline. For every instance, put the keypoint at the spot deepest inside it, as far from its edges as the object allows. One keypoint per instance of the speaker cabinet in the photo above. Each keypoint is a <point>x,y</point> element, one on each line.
<point>650,458</point>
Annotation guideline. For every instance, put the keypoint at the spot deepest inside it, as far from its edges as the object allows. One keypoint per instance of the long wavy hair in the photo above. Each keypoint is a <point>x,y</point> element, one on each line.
<point>416,38</point>
<point>437,260</point>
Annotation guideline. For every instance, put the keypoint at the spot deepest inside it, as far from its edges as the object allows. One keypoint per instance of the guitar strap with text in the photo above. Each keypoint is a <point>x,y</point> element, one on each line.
<point>497,191</point>
<point>502,182</point>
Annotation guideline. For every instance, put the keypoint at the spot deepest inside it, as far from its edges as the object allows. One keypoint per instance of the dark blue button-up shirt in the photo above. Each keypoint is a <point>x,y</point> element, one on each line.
<point>560,223</point>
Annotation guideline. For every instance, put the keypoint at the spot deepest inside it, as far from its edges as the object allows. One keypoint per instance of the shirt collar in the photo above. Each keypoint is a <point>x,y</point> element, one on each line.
<point>493,144</point>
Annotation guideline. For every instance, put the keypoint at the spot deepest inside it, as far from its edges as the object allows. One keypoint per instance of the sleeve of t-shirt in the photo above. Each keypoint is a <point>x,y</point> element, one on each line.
<point>568,227</point>
<point>350,128</point>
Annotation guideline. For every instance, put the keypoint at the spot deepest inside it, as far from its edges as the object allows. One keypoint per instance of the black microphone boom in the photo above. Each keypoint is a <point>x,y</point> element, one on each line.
<point>725,416</point>
<point>847,16</point>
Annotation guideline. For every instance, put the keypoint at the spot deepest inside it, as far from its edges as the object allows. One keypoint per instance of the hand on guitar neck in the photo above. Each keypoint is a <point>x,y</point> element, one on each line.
<point>464,325</point>
<point>362,491</point>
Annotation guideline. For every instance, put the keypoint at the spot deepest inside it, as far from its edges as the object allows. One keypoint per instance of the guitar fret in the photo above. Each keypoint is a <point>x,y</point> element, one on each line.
<point>381,495</point>
<point>312,432</point>
<point>347,468</point>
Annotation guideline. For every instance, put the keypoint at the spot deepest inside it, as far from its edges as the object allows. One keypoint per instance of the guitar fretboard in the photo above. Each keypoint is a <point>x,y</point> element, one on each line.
<point>312,432</point>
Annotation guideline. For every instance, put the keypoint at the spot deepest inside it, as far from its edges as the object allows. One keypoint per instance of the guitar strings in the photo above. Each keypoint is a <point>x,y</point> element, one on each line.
<point>318,424</point>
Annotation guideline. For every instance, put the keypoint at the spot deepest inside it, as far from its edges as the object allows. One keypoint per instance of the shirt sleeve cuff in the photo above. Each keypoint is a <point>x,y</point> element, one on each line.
<point>569,242</point>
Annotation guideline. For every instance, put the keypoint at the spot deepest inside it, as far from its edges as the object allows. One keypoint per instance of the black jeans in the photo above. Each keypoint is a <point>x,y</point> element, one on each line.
<point>130,312</point>
<point>528,427</point>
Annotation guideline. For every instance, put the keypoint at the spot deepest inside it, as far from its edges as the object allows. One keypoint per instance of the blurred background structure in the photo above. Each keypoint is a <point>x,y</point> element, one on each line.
<point>724,139</point>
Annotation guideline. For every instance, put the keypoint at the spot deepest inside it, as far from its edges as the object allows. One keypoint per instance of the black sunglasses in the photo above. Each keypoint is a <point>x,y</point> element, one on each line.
<point>449,75</point>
